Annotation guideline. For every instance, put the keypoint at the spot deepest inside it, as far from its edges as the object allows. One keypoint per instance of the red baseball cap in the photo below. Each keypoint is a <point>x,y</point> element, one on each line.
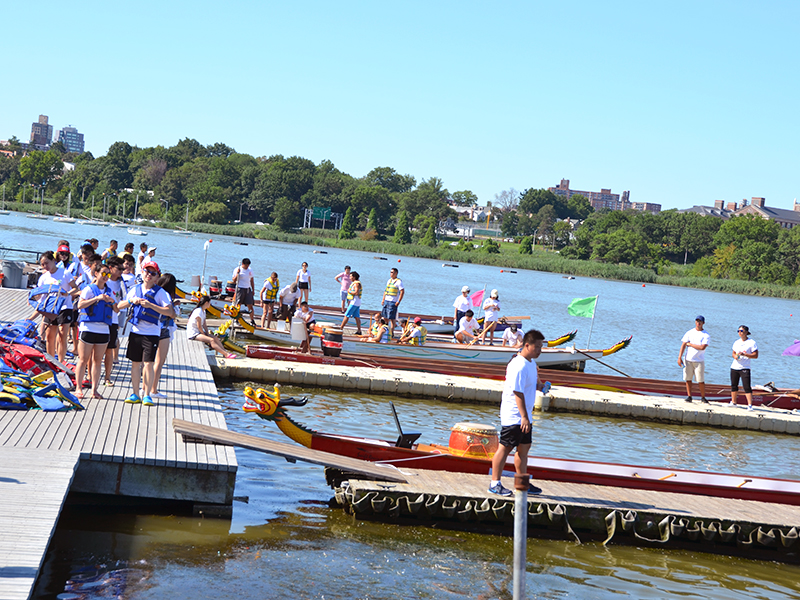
<point>150,264</point>
<point>63,249</point>
<point>417,320</point>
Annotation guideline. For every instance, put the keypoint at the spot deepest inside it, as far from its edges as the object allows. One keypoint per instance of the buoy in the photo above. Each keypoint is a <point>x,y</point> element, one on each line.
<point>398,260</point>
<point>643,285</point>
<point>501,270</point>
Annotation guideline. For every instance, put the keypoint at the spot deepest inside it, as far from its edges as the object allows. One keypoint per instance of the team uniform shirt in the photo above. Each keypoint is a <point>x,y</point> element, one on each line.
<point>346,280</point>
<point>130,281</point>
<point>139,261</point>
<point>468,326</point>
<point>491,308</point>
<point>191,325</point>
<point>740,345</point>
<point>288,297</point>
<point>522,375</point>
<point>461,303</point>
<point>92,327</point>
<point>142,327</point>
<point>399,285</point>
<point>303,276</point>
<point>512,337</point>
<point>59,278</point>
<point>117,290</point>
<point>307,316</point>
<point>245,277</point>
<point>696,337</point>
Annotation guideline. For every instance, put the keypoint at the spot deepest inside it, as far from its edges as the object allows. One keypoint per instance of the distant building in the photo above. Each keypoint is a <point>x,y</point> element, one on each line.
<point>718,210</point>
<point>787,219</point>
<point>41,133</point>
<point>604,198</point>
<point>71,138</point>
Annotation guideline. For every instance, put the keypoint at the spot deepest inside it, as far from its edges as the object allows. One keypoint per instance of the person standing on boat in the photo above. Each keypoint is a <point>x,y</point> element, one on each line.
<point>744,350</point>
<point>268,295</point>
<point>303,281</point>
<point>345,279</point>
<point>695,343</point>
<point>244,280</point>
<point>354,291</point>
<point>512,337</point>
<point>516,408</point>
<point>392,296</point>
<point>491,310</point>
<point>461,306</point>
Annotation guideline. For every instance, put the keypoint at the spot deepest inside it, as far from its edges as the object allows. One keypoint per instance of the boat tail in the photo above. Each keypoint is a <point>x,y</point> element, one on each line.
<point>618,346</point>
<point>563,339</point>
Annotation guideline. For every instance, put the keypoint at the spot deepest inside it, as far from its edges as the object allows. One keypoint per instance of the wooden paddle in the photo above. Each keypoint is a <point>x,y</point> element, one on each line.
<point>601,362</point>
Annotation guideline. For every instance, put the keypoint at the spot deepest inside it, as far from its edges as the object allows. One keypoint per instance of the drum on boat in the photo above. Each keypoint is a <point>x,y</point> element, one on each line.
<point>473,440</point>
<point>332,341</point>
<point>215,287</point>
<point>230,288</point>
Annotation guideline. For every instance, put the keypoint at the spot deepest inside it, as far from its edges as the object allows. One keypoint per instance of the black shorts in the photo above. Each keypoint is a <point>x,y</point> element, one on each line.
<point>113,336</point>
<point>745,376</point>
<point>62,318</point>
<point>164,335</point>
<point>244,296</point>
<point>302,285</point>
<point>90,337</point>
<point>287,312</point>
<point>142,348</point>
<point>511,436</point>
<point>75,314</point>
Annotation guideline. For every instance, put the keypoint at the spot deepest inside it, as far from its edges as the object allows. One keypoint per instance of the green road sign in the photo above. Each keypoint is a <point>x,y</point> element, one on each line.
<point>322,213</point>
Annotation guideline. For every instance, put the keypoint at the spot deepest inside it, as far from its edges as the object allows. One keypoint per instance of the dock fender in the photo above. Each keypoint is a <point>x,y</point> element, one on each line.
<point>766,538</point>
<point>501,509</point>
<point>710,533</point>
<point>466,513</point>
<point>433,504</point>
<point>678,526</point>
<point>378,503</point>
<point>450,506</point>
<point>789,538</point>
<point>661,532</point>
<point>363,504</point>
<point>730,534</point>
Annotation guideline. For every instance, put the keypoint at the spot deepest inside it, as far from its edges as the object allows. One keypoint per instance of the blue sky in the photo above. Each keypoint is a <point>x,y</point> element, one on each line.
<point>679,102</point>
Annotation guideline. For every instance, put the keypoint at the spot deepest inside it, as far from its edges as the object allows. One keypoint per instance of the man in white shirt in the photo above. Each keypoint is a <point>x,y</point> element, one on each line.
<point>516,407</point>
<point>244,280</point>
<point>695,342</point>
<point>461,305</point>
<point>466,328</point>
<point>512,337</point>
<point>288,300</point>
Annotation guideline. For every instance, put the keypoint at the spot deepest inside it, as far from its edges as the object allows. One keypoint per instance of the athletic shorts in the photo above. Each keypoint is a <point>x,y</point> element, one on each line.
<point>302,285</point>
<point>142,348</point>
<point>511,436</point>
<point>745,376</point>
<point>164,335</point>
<point>113,336</point>
<point>244,296</point>
<point>353,311</point>
<point>62,318</point>
<point>90,337</point>
<point>75,314</point>
<point>389,310</point>
<point>287,312</point>
<point>696,369</point>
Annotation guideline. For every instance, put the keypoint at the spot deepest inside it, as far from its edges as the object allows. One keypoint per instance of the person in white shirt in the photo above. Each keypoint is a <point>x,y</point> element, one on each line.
<point>491,309</point>
<point>512,337</point>
<point>695,342</point>
<point>244,280</point>
<point>461,305</point>
<point>117,289</point>
<point>56,326</point>
<point>288,300</point>
<point>516,409</point>
<point>140,259</point>
<point>303,281</point>
<point>744,350</point>
<point>196,329</point>
<point>467,328</point>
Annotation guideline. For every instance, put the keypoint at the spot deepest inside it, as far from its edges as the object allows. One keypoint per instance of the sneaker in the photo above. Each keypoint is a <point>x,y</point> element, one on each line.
<point>148,401</point>
<point>133,399</point>
<point>750,407</point>
<point>499,490</point>
<point>688,399</point>
<point>732,403</point>
<point>532,489</point>
<point>159,395</point>
<point>703,400</point>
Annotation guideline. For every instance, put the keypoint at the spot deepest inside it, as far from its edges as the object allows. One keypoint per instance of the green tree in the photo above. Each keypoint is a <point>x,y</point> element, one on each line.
<point>579,207</point>
<point>286,214</point>
<point>525,247</point>
<point>738,230</point>
<point>372,221</point>
<point>489,246</point>
<point>532,201</point>
<point>723,261</point>
<point>388,178</point>
<point>789,250</point>
<point>402,234</point>
<point>464,198</point>
<point>430,236</point>
<point>348,229</point>
<point>509,225</point>
<point>210,212</point>
<point>40,167</point>
<point>620,246</point>
<point>464,246</point>
<point>561,233</point>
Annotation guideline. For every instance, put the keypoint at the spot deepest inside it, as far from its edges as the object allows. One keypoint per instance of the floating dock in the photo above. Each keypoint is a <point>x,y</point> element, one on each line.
<point>451,388</point>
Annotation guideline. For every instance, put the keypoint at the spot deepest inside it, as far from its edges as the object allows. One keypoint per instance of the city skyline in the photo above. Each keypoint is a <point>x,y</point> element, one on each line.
<point>623,96</point>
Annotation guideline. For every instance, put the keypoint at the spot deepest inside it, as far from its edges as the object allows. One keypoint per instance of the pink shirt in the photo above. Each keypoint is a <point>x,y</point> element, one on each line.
<point>346,280</point>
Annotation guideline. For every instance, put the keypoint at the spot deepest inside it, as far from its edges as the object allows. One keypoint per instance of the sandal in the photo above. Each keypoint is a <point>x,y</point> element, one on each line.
<point>231,355</point>
<point>97,396</point>
<point>109,384</point>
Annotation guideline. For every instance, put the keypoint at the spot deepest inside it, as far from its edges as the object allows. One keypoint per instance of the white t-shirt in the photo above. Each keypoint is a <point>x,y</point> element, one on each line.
<point>94,327</point>
<point>491,306</point>
<point>288,296</point>
<point>60,278</point>
<point>468,326</point>
<point>245,277</point>
<point>461,303</point>
<point>143,327</point>
<point>191,325</point>
<point>139,260</point>
<point>512,337</point>
<point>118,290</point>
<point>740,345</point>
<point>522,376</point>
<point>303,276</point>
<point>696,337</point>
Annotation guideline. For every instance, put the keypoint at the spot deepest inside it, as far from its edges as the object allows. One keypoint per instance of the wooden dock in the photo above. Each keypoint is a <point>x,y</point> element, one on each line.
<point>33,486</point>
<point>452,388</point>
<point>580,512</point>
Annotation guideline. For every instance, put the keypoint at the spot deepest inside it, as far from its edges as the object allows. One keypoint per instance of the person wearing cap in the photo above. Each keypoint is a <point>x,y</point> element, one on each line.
<point>416,335</point>
<point>149,303</point>
<point>491,310</point>
<point>512,337</point>
<point>245,283</point>
<point>694,343</point>
<point>461,306</point>
<point>744,350</point>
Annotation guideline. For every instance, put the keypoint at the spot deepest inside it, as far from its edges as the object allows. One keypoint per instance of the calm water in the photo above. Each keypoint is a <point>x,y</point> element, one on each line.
<point>284,541</point>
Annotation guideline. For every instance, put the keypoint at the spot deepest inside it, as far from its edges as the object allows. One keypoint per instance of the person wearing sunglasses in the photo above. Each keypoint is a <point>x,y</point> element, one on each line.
<point>744,350</point>
<point>96,312</point>
<point>149,303</point>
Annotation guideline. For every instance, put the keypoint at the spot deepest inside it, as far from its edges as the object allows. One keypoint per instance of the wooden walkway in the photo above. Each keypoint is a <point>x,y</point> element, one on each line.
<point>33,486</point>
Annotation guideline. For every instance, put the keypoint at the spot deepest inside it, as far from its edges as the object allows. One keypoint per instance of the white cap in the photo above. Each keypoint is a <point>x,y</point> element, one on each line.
<point>493,294</point>
<point>152,249</point>
<point>465,288</point>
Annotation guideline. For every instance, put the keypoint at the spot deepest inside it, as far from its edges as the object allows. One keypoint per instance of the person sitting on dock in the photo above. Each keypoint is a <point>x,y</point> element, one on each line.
<point>197,331</point>
<point>467,328</point>
<point>516,408</point>
<point>354,291</point>
<point>512,337</point>
<point>416,334</point>
<point>696,340</point>
<point>288,299</point>
<point>268,295</point>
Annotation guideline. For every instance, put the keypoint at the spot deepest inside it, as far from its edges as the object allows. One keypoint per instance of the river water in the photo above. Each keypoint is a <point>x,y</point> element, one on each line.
<point>285,541</point>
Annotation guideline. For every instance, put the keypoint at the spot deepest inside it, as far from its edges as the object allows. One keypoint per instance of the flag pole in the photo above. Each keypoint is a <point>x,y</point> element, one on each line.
<point>591,327</point>
<point>483,297</point>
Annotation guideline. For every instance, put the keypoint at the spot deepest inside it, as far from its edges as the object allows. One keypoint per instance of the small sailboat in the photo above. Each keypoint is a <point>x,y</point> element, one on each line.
<point>41,214</point>
<point>67,218</point>
<point>185,230</point>
<point>3,211</point>
<point>135,230</point>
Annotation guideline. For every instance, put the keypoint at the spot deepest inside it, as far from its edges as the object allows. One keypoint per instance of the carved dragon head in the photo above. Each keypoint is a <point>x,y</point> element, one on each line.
<point>269,404</point>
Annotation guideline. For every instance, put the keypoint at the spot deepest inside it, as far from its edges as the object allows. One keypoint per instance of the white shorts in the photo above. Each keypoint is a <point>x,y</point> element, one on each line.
<point>696,369</point>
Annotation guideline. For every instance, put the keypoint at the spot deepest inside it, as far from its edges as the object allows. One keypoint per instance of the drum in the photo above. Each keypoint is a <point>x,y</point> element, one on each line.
<point>332,341</point>
<point>215,287</point>
<point>230,288</point>
<point>473,440</point>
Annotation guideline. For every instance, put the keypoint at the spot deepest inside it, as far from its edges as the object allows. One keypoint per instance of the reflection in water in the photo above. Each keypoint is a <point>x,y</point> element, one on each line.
<point>285,541</point>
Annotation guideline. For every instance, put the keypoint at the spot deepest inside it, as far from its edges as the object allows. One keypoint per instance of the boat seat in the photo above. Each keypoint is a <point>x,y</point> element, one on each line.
<point>404,440</point>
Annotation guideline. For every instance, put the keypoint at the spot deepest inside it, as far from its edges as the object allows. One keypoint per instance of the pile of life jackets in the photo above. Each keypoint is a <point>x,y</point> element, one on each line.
<point>31,378</point>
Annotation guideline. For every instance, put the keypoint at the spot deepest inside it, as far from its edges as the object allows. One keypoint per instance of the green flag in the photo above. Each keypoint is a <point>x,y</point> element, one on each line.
<point>582,307</point>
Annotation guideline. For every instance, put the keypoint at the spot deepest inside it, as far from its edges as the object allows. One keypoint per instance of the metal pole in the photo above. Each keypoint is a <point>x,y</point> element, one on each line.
<point>203,276</point>
<point>521,485</point>
<point>592,325</point>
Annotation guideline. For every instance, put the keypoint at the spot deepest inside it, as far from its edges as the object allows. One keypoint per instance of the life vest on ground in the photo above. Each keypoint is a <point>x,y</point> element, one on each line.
<point>423,336</point>
<point>391,287</point>
<point>272,295</point>
<point>142,314</point>
<point>354,291</point>
<point>99,312</point>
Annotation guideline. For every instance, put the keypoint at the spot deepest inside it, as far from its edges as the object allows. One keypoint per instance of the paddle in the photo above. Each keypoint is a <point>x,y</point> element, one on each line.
<point>602,363</point>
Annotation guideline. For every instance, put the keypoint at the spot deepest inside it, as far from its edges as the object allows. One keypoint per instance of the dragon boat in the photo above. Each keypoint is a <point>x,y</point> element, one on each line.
<point>471,447</point>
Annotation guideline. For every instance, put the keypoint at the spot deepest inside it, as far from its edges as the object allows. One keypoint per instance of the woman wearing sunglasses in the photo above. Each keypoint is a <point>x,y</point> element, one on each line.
<point>744,350</point>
